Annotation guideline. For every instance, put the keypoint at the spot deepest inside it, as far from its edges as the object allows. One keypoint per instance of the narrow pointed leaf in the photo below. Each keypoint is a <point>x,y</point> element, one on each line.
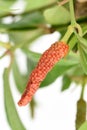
<point>66,81</point>
<point>11,112</point>
<point>81,113</point>
<point>19,78</point>
<point>24,37</point>
<point>32,59</point>
<point>59,69</point>
<point>82,42</point>
<point>83,59</point>
<point>30,65</point>
<point>32,4</point>
<point>28,21</point>
<point>32,108</point>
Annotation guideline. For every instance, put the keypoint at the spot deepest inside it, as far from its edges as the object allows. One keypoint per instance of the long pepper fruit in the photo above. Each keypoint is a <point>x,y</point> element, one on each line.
<point>49,58</point>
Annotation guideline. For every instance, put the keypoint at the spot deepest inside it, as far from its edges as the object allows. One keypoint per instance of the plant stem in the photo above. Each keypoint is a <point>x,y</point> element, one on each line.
<point>73,21</point>
<point>82,91</point>
<point>67,34</point>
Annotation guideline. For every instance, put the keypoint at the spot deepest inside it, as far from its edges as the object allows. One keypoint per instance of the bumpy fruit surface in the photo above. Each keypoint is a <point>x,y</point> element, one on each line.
<point>48,59</point>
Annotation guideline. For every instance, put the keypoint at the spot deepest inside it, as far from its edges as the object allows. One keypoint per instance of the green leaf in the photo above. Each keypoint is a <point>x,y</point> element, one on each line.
<point>32,107</point>
<point>76,71</point>
<point>32,19</point>
<point>32,59</point>
<point>81,113</point>
<point>60,68</point>
<point>83,59</point>
<point>19,78</point>
<point>31,64</point>
<point>83,42</point>
<point>30,54</point>
<point>84,48</point>
<point>83,126</point>
<point>10,108</point>
<point>24,37</point>
<point>5,7</point>
<point>28,21</point>
<point>57,15</point>
<point>38,4</point>
<point>66,81</point>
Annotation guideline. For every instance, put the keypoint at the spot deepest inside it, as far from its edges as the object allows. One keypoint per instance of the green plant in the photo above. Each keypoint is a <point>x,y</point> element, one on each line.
<point>32,24</point>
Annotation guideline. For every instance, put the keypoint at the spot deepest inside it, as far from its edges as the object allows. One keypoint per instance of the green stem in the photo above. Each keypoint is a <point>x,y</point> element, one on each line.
<point>71,5</point>
<point>67,34</point>
<point>82,91</point>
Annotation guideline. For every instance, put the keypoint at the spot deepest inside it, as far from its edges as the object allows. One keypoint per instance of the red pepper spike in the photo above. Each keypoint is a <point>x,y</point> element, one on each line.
<point>49,58</point>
